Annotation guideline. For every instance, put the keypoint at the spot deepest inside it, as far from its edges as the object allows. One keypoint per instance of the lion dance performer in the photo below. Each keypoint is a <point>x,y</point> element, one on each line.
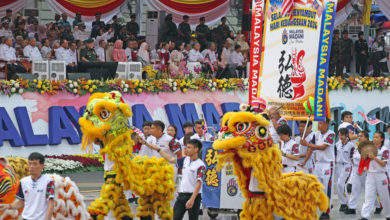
<point>244,140</point>
<point>105,121</point>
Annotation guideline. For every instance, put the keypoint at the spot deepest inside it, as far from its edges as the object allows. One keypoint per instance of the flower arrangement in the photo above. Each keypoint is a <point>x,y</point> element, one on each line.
<point>82,86</point>
<point>53,165</point>
<point>359,83</point>
<point>73,163</point>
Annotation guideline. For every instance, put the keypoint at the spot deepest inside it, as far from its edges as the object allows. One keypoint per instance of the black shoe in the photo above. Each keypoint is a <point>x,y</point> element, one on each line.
<point>363,219</point>
<point>324,216</point>
<point>378,210</point>
<point>350,211</point>
<point>343,207</point>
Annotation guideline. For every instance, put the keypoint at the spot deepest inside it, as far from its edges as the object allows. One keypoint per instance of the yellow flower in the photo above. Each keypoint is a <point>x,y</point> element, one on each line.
<point>365,85</point>
<point>369,88</point>
<point>86,87</point>
<point>139,90</point>
<point>35,80</point>
<point>39,86</point>
<point>94,87</point>
<point>141,84</point>
<point>223,89</point>
<point>91,90</point>
<point>89,82</point>
<point>185,90</point>
<point>42,92</point>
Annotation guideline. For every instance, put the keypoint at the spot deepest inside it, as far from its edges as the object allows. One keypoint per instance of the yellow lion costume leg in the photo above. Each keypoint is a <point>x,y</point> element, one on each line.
<point>256,208</point>
<point>112,199</point>
<point>145,208</point>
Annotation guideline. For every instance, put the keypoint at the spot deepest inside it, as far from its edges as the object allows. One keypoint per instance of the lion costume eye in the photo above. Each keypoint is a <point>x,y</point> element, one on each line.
<point>104,114</point>
<point>261,132</point>
<point>242,127</point>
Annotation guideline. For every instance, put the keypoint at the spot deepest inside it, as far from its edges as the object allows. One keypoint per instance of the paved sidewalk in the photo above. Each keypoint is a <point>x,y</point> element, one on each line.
<point>90,183</point>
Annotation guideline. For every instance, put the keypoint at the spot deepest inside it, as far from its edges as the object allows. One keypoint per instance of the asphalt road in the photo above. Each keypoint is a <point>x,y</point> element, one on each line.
<point>90,183</point>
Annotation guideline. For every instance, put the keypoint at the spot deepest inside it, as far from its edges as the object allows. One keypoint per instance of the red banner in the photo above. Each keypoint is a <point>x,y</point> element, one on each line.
<point>256,47</point>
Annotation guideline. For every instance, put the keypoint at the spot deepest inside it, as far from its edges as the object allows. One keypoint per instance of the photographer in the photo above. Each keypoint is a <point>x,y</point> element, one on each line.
<point>379,57</point>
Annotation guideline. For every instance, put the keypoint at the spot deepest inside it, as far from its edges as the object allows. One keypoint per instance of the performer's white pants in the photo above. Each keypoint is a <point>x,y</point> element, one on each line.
<point>324,171</point>
<point>343,174</point>
<point>376,183</point>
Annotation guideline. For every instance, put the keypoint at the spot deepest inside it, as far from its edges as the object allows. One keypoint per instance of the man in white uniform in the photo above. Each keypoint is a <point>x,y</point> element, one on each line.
<point>345,149</point>
<point>100,50</point>
<point>347,118</point>
<point>8,54</point>
<point>306,156</point>
<point>149,138</point>
<point>31,51</point>
<point>324,159</point>
<point>195,55</point>
<point>290,150</point>
<point>276,121</point>
<point>188,128</point>
<point>199,132</point>
<point>36,192</point>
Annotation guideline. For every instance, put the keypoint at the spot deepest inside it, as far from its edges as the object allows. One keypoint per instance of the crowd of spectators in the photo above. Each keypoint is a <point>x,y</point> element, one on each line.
<point>220,51</point>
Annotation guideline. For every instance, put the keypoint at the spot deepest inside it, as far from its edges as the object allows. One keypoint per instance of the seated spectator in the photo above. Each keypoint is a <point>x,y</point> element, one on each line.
<point>238,59</point>
<point>155,53</point>
<point>20,31</point>
<point>72,61</point>
<point>186,50</point>
<point>176,60</point>
<point>134,51</point>
<point>244,45</point>
<point>119,54</point>
<point>5,31</point>
<point>164,55</point>
<point>9,54</point>
<point>88,54</point>
<point>104,36</point>
<point>53,32</point>
<point>63,54</point>
<point>210,56</point>
<point>46,50</point>
<point>128,50</point>
<point>66,33</point>
<point>143,55</point>
<point>80,33</point>
<point>100,50</point>
<point>32,30</point>
<point>31,51</point>
<point>195,55</point>
<point>172,46</point>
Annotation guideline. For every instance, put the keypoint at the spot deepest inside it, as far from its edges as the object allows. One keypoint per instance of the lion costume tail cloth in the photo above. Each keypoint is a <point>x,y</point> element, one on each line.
<point>245,141</point>
<point>68,201</point>
<point>106,121</point>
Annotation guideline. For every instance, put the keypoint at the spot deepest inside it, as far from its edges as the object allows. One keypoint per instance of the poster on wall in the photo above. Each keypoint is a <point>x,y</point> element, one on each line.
<point>294,59</point>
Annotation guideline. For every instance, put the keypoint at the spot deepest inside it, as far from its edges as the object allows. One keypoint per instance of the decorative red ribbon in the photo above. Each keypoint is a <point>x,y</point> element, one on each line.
<point>90,11</point>
<point>193,8</point>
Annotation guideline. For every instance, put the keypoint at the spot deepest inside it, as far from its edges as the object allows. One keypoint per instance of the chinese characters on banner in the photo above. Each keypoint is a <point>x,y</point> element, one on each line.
<point>211,188</point>
<point>294,56</point>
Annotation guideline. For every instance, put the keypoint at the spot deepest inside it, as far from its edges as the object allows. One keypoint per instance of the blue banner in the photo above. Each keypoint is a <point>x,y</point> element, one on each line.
<point>324,50</point>
<point>211,189</point>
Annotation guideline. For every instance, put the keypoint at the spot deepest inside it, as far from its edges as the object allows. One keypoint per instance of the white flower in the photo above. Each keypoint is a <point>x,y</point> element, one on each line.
<point>13,89</point>
<point>125,89</point>
<point>70,81</point>
<point>210,85</point>
<point>210,81</point>
<point>213,89</point>
<point>75,84</point>
<point>20,90</point>
<point>174,83</point>
<point>74,90</point>
<point>12,81</point>
<point>214,83</point>
<point>174,88</point>
<point>71,86</point>
<point>16,85</point>
<point>170,80</point>
<point>126,86</point>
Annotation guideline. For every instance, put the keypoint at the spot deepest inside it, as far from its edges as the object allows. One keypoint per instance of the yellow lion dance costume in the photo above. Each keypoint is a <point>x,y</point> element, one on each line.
<point>106,121</point>
<point>244,140</point>
<point>68,202</point>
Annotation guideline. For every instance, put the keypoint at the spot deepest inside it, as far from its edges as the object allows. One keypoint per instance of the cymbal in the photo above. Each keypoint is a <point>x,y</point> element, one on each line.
<point>365,147</point>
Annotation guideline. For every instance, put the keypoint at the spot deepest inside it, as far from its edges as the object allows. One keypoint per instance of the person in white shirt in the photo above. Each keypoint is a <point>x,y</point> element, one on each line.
<point>325,156</point>
<point>188,127</point>
<point>149,138</point>
<point>31,51</point>
<point>80,33</point>
<point>347,119</point>
<point>36,192</point>
<point>104,36</point>
<point>345,149</point>
<point>377,181</point>
<point>199,132</point>
<point>276,121</point>
<point>289,148</point>
<point>100,50</point>
<point>306,157</point>
<point>238,59</point>
<point>190,187</point>
<point>210,56</point>
<point>63,54</point>
<point>72,62</point>
<point>5,31</point>
<point>46,50</point>
<point>128,50</point>
<point>186,50</point>
<point>195,55</point>
<point>9,55</point>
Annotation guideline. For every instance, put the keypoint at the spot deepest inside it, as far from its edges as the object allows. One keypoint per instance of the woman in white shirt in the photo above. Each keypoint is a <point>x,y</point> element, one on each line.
<point>238,59</point>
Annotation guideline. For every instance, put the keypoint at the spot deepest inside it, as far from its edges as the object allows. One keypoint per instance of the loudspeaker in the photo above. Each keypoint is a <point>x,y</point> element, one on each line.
<point>76,76</point>
<point>246,22</point>
<point>27,76</point>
